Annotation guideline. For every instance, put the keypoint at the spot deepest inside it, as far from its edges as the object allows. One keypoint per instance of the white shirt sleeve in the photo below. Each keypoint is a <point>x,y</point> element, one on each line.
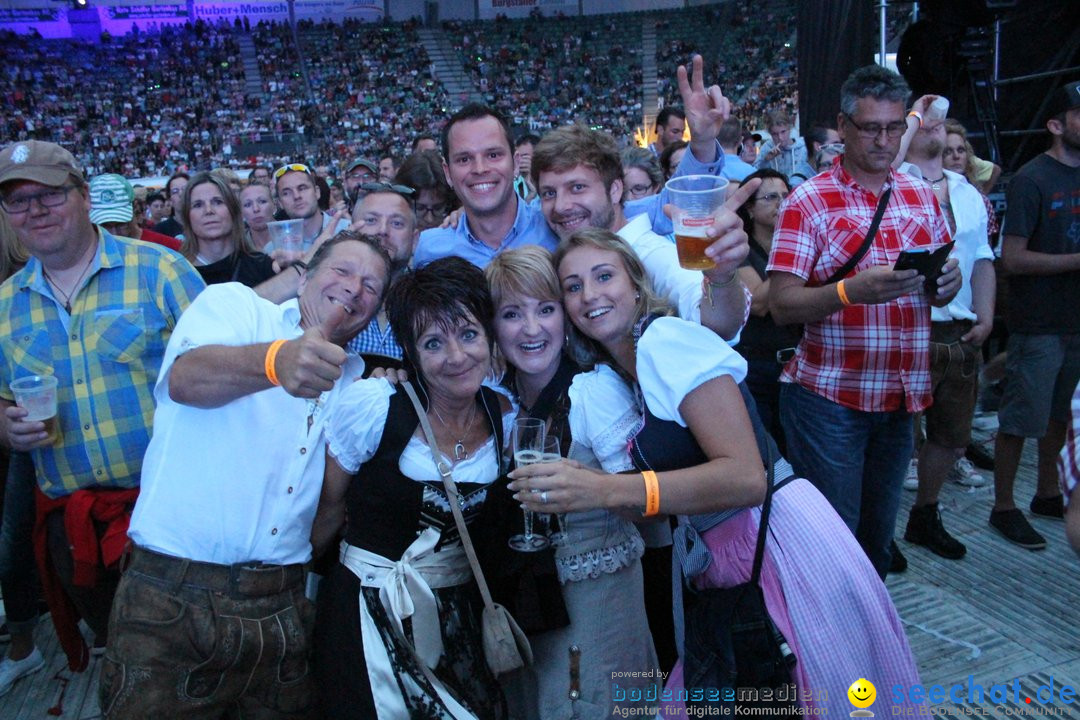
<point>674,357</point>
<point>603,417</point>
<point>356,423</point>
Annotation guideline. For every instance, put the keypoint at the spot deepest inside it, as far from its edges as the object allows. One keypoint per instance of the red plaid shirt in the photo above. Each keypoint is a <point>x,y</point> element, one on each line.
<point>872,358</point>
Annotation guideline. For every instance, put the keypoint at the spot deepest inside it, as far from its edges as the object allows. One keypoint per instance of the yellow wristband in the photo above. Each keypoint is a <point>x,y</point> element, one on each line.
<point>652,493</point>
<point>268,363</point>
<point>842,293</point>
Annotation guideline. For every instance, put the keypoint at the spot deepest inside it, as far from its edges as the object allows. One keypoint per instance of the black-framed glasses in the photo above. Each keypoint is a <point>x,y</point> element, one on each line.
<point>637,191</point>
<point>387,187</point>
<point>437,210</point>
<point>872,131</point>
<point>770,197</point>
<point>295,167</point>
<point>53,197</point>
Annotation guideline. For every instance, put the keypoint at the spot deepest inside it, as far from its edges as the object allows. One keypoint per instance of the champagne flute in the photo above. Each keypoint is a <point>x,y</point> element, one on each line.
<point>529,434</point>
<point>552,454</point>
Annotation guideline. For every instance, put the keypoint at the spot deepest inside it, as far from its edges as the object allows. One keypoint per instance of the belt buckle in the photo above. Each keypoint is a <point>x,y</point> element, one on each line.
<point>784,355</point>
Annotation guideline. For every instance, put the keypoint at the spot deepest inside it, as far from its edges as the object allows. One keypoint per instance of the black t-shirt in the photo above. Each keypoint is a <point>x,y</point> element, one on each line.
<point>762,336</point>
<point>1044,207</point>
<point>242,268</point>
<point>169,226</point>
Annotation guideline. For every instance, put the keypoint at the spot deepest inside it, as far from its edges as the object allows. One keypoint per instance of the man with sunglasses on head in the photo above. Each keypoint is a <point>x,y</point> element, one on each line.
<point>298,194</point>
<point>94,311</point>
<point>862,367</point>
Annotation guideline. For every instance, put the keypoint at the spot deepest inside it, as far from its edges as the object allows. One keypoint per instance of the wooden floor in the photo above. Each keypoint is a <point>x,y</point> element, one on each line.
<point>1002,613</point>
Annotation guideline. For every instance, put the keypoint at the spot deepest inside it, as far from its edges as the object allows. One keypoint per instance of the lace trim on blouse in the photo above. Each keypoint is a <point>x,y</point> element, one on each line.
<point>593,563</point>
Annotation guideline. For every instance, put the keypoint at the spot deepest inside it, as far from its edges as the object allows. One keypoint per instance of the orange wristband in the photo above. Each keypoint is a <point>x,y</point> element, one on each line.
<point>268,363</point>
<point>652,493</point>
<point>842,293</point>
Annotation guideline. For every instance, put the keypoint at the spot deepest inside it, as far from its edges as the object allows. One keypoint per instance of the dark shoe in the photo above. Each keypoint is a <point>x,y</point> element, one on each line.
<point>1015,528</point>
<point>924,528</point>
<point>1051,507</point>
<point>980,457</point>
<point>898,563</point>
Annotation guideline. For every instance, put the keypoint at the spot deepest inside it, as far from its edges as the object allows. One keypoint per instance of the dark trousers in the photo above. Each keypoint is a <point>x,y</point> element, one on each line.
<point>93,603</point>
<point>198,640</point>
<point>18,573</point>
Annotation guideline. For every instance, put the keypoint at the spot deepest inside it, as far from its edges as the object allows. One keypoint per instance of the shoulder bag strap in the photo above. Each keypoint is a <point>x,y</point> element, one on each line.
<point>867,241</point>
<point>766,507</point>
<point>451,495</point>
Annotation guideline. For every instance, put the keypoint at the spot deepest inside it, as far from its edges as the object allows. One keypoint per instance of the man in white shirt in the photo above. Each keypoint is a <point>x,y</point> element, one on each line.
<point>956,333</point>
<point>211,614</point>
<point>298,194</point>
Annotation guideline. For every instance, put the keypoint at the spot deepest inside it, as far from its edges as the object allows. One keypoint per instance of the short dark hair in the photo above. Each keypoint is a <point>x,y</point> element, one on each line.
<point>445,291</point>
<point>817,133</point>
<point>743,210</point>
<point>667,113</point>
<point>352,236</point>
<point>155,196</point>
<point>527,139</point>
<point>174,176</point>
<point>425,136</point>
<point>874,82</point>
<point>572,145</point>
<point>423,171</point>
<point>730,133</point>
<point>475,111</point>
<point>665,156</point>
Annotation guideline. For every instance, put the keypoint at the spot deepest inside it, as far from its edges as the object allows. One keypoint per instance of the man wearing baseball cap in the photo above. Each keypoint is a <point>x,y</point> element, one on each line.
<point>1041,255</point>
<point>112,207</point>
<point>357,173</point>
<point>94,311</point>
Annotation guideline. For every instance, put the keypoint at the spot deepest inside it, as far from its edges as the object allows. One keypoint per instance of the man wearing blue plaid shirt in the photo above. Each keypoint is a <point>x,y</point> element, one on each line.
<point>94,311</point>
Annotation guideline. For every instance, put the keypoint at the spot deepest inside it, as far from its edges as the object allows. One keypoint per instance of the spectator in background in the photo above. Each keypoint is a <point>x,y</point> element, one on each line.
<point>298,194</point>
<point>825,156</point>
<point>258,208</point>
<point>358,172</point>
<point>435,199</point>
<point>214,240</point>
<point>174,189</point>
<point>670,127</point>
<point>260,174</point>
<point>112,207</point>
<point>671,157</point>
<point>388,166</point>
<point>1041,256</point>
<point>424,142</point>
<point>730,134</point>
<point>642,175</point>
<point>960,158</point>
<point>156,208</point>
<point>748,149</point>
<point>523,151</point>
<point>782,152</point>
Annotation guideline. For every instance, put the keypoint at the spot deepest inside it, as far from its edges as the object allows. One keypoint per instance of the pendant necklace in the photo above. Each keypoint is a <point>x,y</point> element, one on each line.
<point>936,184</point>
<point>74,288</point>
<point>459,447</point>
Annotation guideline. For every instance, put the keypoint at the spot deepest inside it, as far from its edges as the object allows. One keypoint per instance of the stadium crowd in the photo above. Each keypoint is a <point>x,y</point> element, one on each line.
<point>467,434</point>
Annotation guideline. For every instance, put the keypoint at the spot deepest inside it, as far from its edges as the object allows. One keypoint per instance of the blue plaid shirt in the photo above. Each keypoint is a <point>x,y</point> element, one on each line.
<point>374,339</point>
<point>106,356</point>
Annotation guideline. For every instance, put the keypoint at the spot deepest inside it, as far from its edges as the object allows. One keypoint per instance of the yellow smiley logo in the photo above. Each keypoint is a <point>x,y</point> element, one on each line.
<point>862,693</point>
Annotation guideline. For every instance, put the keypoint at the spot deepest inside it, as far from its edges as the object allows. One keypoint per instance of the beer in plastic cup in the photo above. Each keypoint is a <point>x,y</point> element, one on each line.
<point>37,395</point>
<point>697,199</point>
<point>288,237</point>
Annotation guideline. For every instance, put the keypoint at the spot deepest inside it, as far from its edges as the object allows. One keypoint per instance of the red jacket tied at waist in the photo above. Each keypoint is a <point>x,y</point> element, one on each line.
<point>83,510</point>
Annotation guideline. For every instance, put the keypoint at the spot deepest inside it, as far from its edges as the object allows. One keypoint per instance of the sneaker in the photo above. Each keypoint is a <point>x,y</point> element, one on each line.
<point>924,528</point>
<point>1051,507</point>
<point>911,480</point>
<point>898,563</point>
<point>964,473</point>
<point>12,670</point>
<point>1015,528</point>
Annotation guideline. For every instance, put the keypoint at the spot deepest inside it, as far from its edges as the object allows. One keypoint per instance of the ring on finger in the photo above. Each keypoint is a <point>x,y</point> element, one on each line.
<point>543,498</point>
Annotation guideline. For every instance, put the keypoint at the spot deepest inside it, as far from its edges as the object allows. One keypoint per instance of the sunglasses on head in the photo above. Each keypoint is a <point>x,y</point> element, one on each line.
<point>295,167</point>
<point>387,187</point>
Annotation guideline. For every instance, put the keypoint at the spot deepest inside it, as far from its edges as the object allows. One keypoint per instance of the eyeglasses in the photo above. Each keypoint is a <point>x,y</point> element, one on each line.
<point>637,191</point>
<point>770,197</point>
<point>834,148</point>
<point>295,167</point>
<point>871,132</point>
<point>432,210</point>
<point>387,187</point>
<point>53,197</point>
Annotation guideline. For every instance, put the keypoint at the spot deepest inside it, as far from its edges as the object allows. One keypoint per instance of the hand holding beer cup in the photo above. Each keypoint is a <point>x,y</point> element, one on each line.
<point>32,421</point>
<point>721,238</point>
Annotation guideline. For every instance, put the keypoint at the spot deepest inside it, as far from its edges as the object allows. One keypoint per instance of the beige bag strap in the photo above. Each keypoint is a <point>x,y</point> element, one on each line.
<point>451,494</point>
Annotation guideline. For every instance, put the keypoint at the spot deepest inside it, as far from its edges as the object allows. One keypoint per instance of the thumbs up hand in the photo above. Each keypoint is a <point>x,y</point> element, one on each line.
<point>309,365</point>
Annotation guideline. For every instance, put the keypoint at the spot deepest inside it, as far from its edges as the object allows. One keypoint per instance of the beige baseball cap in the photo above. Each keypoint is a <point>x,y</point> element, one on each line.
<point>43,162</point>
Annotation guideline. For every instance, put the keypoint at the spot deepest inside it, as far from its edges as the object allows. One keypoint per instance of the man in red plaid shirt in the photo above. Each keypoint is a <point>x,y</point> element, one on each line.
<point>862,367</point>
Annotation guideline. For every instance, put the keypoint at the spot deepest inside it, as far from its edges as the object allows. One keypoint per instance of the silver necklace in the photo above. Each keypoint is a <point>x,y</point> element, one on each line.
<point>936,184</point>
<point>460,453</point>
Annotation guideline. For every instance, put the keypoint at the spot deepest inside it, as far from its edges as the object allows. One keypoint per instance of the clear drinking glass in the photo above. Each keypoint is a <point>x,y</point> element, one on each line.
<point>552,454</point>
<point>528,447</point>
